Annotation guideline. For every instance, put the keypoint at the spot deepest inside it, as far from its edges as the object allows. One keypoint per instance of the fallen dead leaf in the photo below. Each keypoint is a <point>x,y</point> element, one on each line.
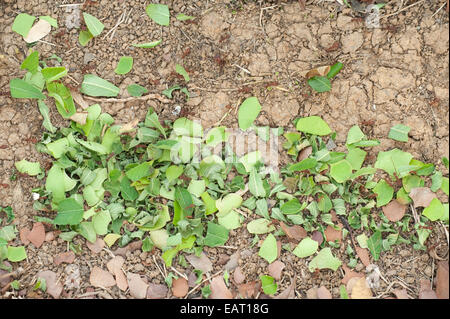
<point>442,280</point>
<point>275,269</point>
<point>394,211</point>
<point>192,278</point>
<point>332,234</point>
<point>289,292</point>
<point>203,262</point>
<point>311,293</point>
<point>101,278</point>
<point>223,259</point>
<point>38,31</point>
<point>319,71</point>
<point>4,279</point>
<point>238,276</point>
<point>317,236</point>
<point>363,254</point>
<point>138,287</point>
<point>400,293</point>
<point>115,267</point>
<point>180,287</point>
<point>351,283</point>
<point>323,293</point>
<point>65,257</point>
<point>421,196</point>
<point>294,232</point>
<point>54,286</point>
<point>349,274</point>
<point>37,235</point>
<point>156,291</point>
<point>79,117</point>
<point>361,290</point>
<point>78,98</point>
<point>23,234</point>
<point>233,261</point>
<point>426,291</point>
<point>219,290</point>
<point>129,126</point>
<point>97,246</point>
<point>278,249</point>
<point>304,153</point>
<point>50,236</point>
<point>122,251</point>
<point>250,289</point>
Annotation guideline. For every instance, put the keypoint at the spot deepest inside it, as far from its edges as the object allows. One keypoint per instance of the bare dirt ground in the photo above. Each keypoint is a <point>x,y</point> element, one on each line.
<point>397,73</point>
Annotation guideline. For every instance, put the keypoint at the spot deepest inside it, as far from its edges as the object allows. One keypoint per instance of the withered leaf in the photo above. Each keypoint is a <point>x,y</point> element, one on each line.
<point>394,211</point>
<point>180,287</point>
<point>23,234</point>
<point>54,286</point>
<point>363,254</point>
<point>361,290</point>
<point>289,292</point>
<point>138,287</point>
<point>101,278</point>
<point>401,293</point>
<point>317,236</point>
<point>323,293</point>
<point>332,234</point>
<point>37,235</point>
<point>97,246</point>
<point>295,232</point>
<point>156,291</point>
<point>442,280</point>
<point>238,276</point>
<point>349,274</point>
<point>250,289</point>
<point>275,269</point>
<point>65,257</point>
<point>422,196</point>
<point>219,290</point>
<point>203,262</point>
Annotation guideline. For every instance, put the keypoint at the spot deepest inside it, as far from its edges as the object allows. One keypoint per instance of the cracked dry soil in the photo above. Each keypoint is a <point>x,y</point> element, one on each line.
<point>397,73</point>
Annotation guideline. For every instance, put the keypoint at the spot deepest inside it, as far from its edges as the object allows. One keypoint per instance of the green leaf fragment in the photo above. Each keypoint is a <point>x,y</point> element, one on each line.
<point>248,112</point>
<point>269,249</point>
<point>147,45</point>
<point>16,254</point>
<point>29,168</point>
<point>125,65</point>
<point>324,260</point>
<point>159,13</point>
<point>268,285</point>
<point>341,171</point>
<point>23,90</point>
<point>70,212</point>
<point>93,85</point>
<point>399,133</point>
<point>183,17</point>
<point>306,247</point>
<point>93,24</point>
<point>181,71</point>
<point>217,235</point>
<point>23,23</point>
<point>320,83</point>
<point>375,245</point>
<point>313,125</point>
<point>434,211</point>
<point>136,90</point>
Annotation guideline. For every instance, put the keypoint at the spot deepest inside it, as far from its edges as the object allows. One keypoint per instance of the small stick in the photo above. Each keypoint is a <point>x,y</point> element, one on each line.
<point>208,278</point>
<point>131,98</point>
<point>245,70</point>
<point>179,273</point>
<point>55,45</point>
<point>157,265</point>
<point>70,5</point>
<point>439,9</point>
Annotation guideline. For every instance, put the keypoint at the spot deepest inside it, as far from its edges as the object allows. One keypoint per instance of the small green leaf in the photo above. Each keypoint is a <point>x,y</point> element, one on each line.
<point>86,229</point>
<point>139,171</point>
<point>356,157</point>
<point>16,254</point>
<point>159,13</point>
<point>375,245</point>
<point>320,83</point>
<point>228,203</point>
<point>147,45</point>
<point>307,163</point>
<point>269,249</point>
<point>305,248</point>
<point>29,168</point>
<point>313,125</point>
<point>255,184</point>
<point>93,24</point>
<point>268,285</point>
<point>70,212</point>
<point>341,171</point>
<point>181,71</point>
<point>248,112</point>
<point>92,85</point>
<point>100,222</point>
<point>43,109</point>
<point>183,17</point>
<point>291,207</point>
<point>230,221</point>
<point>216,235</point>
<point>23,23</point>
<point>334,70</point>
<point>23,90</point>
<point>260,226</point>
<point>392,160</point>
<point>434,211</point>
<point>210,203</point>
<point>197,187</point>
<point>84,37</point>
<point>54,73</point>
<point>184,199</point>
<point>53,22</point>
<point>399,133</point>
<point>128,192</point>
<point>324,260</point>
<point>136,90</point>
<point>355,135</point>
<point>384,193</point>
<point>31,63</point>
<point>125,65</point>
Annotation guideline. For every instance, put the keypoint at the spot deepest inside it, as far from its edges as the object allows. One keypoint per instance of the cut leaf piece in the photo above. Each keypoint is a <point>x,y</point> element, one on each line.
<point>94,86</point>
<point>216,235</point>
<point>181,71</point>
<point>29,168</point>
<point>392,160</point>
<point>421,196</point>
<point>313,125</point>
<point>399,133</point>
<point>16,254</point>
<point>22,24</point>
<point>125,65</point>
<point>31,63</point>
<point>136,90</point>
<point>320,83</point>
<point>54,73</point>
<point>148,44</point>
<point>269,249</point>
<point>384,193</point>
<point>84,37</point>
<point>305,248</point>
<point>324,259</point>
<point>183,17</point>
<point>159,13</point>
<point>434,211</point>
<point>341,171</point>
<point>93,24</point>
<point>260,226</point>
<point>38,31</point>
<point>70,212</point>
<point>268,285</point>
<point>375,245</point>
<point>248,112</point>
<point>23,90</point>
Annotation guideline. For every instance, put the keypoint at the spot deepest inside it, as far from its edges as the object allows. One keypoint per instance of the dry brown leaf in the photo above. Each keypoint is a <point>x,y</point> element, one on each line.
<point>223,259</point>
<point>332,234</point>
<point>275,269</point>
<point>311,293</point>
<point>238,276</point>
<point>295,232</point>
<point>203,262</point>
<point>97,246</point>
<point>442,280</point>
<point>289,292</point>
<point>422,196</point>
<point>351,283</point>
<point>78,98</point>
<point>219,290</point>
<point>192,278</point>
<point>233,262</point>
<point>394,211</point>
<point>363,254</point>
<point>4,278</point>
<point>54,286</point>
<point>426,291</point>
<point>156,291</point>
<point>319,71</point>
<point>79,117</point>
<point>317,236</point>
<point>65,257</point>
<point>349,274</point>
<point>115,267</point>
<point>401,293</point>
<point>278,249</point>
<point>323,293</point>
<point>38,31</point>
<point>122,251</point>
<point>37,235</point>
<point>138,287</point>
<point>250,289</point>
<point>49,236</point>
<point>361,290</point>
<point>101,278</point>
<point>180,287</point>
<point>304,153</point>
<point>129,126</point>
<point>23,234</point>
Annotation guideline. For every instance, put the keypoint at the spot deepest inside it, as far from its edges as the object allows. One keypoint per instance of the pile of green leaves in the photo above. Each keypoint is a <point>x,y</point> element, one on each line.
<point>7,234</point>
